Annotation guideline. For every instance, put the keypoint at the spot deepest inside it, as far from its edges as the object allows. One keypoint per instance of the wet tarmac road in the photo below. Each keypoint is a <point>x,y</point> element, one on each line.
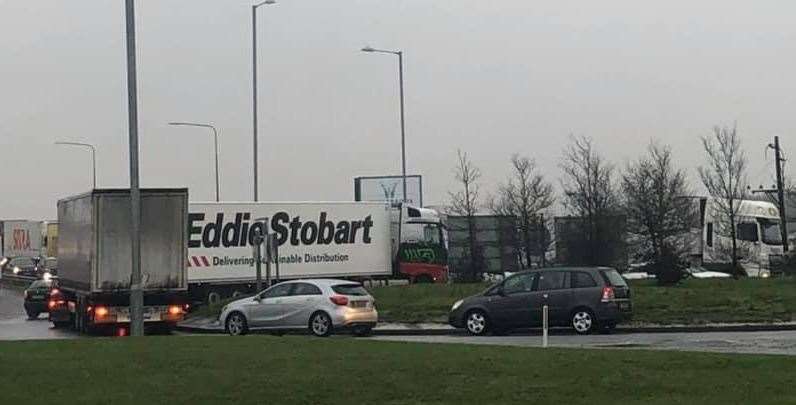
<point>783,343</point>
<point>14,323</point>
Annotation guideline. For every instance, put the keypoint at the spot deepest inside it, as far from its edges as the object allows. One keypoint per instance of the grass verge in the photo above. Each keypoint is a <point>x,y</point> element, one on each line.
<point>302,370</point>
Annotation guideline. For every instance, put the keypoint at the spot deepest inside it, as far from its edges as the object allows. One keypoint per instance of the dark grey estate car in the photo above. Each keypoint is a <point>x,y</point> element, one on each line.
<point>584,298</point>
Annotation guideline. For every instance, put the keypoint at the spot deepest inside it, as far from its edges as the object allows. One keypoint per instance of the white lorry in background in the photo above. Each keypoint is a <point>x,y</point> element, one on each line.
<point>20,241</point>
<point>21,238</point>
<point>354,240</point>
<point>759,239</point>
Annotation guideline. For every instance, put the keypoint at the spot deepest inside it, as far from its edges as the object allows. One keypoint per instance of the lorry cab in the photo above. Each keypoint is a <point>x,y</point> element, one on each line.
<point>758,235</point>
<point>421,254</point>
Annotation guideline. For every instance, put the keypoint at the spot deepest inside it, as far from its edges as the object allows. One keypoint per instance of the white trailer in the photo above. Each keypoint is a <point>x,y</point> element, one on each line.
<point>356,240</point>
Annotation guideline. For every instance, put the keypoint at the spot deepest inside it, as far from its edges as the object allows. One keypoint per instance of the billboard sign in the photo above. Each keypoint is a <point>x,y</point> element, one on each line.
<point>389,189</point>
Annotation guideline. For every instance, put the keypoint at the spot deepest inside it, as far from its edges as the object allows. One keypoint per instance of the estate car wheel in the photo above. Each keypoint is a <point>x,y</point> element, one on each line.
<point>33,315</point>
<point>477,323</point>
<point>236,324</point>
<point>321,324</point>
<point>583,321</point>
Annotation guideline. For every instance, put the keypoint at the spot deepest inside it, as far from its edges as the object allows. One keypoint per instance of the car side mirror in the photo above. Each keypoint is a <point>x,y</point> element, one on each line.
<point>501,291</point>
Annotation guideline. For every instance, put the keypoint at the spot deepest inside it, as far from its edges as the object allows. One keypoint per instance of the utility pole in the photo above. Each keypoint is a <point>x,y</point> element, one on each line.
<point>136,294</point>
<point>778,161</point>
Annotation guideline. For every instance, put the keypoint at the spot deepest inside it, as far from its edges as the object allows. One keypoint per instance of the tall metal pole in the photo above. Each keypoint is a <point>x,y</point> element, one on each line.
<point>136,294</point>
<point>403,129</point>
<point>781,194</point>
<point>94,167</point>
<point>403,120</point>
<point>254,96</point>
<point>215,141</point>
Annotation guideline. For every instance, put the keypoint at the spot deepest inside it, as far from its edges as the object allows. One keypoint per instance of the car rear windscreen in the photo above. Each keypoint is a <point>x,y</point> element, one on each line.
<point>350,289</point>
<point>614,278</point>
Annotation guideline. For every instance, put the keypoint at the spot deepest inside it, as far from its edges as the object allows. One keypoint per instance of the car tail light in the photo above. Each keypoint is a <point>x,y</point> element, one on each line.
<point>54,303</point>
<point>55,291</point>
<point>608,294</point>
<point>100,312</point>
<point>175,310</point>
<point>339,300</point>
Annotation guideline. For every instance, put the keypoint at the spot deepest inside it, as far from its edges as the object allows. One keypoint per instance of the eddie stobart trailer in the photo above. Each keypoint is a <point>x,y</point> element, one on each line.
<point>94,259</point>
<point>354,240</point>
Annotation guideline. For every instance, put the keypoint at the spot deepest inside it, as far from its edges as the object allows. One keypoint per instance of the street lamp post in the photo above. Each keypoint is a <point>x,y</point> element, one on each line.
<point>93,157</point>
<point>136,292</point>
<point>400,55</point>
<point>215,140</point>
<point>254,89</point>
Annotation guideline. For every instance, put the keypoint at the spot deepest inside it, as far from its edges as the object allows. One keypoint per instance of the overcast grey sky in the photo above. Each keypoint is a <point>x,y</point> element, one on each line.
<point>489,77</point>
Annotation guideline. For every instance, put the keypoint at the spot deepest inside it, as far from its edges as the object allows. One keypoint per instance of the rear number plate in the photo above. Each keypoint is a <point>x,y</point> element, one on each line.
<point>624,306</point>
<point>359,304</point>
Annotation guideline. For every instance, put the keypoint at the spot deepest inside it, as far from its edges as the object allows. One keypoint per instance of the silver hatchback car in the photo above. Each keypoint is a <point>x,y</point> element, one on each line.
<point>321,306</point>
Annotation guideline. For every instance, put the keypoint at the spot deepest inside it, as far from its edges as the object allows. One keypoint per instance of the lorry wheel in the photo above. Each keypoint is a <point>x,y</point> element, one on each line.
<point>213,298</point>
<point>424,280</point>
<point>236,324</point>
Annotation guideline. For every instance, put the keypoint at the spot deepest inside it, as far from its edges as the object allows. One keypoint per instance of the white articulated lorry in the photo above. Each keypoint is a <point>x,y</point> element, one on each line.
<point>355,240</point>
<point>758,236</point>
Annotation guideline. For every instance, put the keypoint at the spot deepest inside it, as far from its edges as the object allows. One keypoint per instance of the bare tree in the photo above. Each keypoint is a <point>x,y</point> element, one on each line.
<point>589,192</point>
<point>724,176</point>
<point>465,202</point>
<point>655,199</point>
<point>526,195</point>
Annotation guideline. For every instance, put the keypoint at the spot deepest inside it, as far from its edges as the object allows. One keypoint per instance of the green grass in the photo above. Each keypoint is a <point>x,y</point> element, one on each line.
<point>717,300</point>
<point>303,370</point>
<point>692,302</point>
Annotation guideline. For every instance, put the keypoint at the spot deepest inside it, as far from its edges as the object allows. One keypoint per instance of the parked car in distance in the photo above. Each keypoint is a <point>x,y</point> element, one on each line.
<point>36,296</point>
<point>585,299</point>
<point>320,306</point>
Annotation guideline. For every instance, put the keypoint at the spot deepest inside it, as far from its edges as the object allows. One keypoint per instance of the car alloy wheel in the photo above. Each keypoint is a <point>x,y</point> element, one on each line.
<point>582,321</point>
<point>321,325</point>
<point>236,325</point>
<point>476,323</point>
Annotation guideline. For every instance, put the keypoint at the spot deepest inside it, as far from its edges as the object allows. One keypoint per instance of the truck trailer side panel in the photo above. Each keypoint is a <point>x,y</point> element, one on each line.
<point>316,239</point>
